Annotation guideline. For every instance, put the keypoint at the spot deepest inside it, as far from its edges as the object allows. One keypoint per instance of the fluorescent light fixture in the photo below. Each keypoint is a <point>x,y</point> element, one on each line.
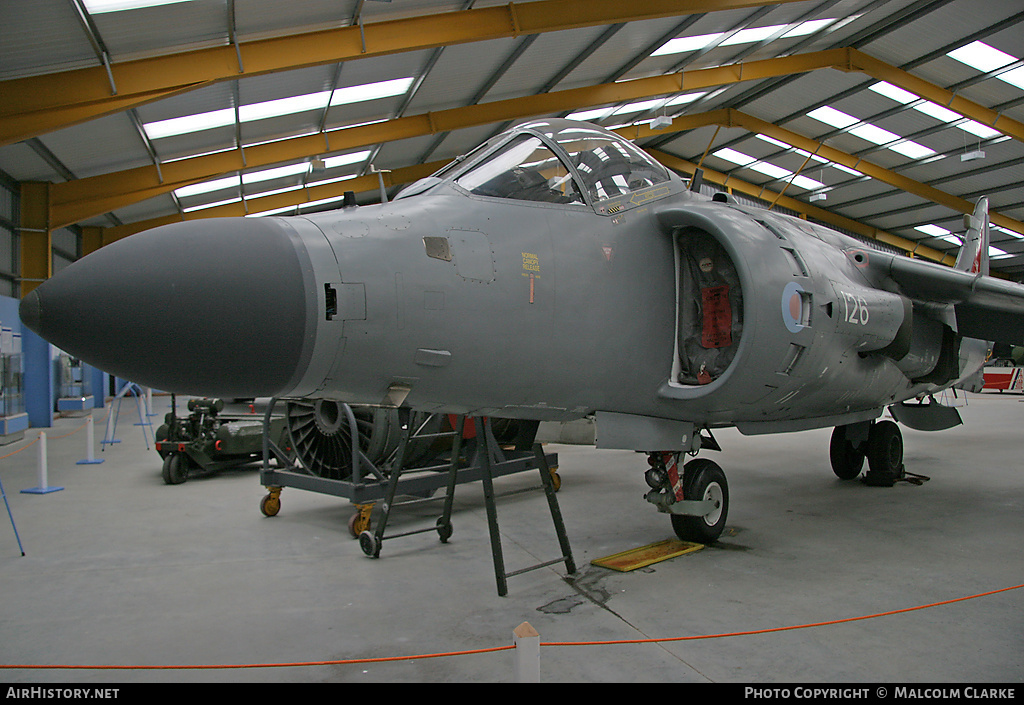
<point>96,7</point>
<point>275,108</point>
<point>972,156</point>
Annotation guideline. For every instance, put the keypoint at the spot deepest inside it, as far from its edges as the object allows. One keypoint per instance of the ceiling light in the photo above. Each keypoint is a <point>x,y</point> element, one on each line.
<point>972,156</point>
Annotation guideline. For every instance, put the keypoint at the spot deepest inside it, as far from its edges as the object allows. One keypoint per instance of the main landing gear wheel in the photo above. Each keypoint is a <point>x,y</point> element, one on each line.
<point>885,454</point>
<point>703,480</point>
<point>847,458</point>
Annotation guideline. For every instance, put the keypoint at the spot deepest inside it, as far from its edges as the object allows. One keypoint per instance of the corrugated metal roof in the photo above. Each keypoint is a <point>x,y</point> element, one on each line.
<point>46,37</point>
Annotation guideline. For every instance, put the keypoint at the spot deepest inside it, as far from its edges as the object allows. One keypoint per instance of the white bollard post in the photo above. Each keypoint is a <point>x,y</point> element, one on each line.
<point>527,643</point>
<point>90,452</point>
<point>43,487</point>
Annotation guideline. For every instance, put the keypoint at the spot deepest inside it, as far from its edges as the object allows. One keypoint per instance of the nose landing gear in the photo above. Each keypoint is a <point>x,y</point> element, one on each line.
<point>698,501</point>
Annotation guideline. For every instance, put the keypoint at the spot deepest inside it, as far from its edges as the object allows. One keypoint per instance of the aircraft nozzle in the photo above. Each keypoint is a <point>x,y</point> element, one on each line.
<point>217,307</point>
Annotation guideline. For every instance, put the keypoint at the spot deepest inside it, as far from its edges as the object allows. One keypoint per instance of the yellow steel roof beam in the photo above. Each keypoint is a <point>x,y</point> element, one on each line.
<point>35,105</point>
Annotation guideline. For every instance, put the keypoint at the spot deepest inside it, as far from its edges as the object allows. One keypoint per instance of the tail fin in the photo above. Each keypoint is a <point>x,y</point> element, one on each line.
<point>973,255</point>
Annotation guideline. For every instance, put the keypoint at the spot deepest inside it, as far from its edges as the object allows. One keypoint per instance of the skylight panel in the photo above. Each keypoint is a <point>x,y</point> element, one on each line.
<point>1006,231</point>
<point>275,173</point>
<point>681,44</point>
<point>766,168</point>
<point>276,108</point>
<point>755,34</point>
<point>235,181</point>
<point>980,56</point>
<point>685,98</point>
<point>190,123</point>
<point>895,92</point>
<point>371,91</point>
<point>639,106</point>
<point>208,187</point>
<point>911,149</point>
<point>812,26</point>
<point>934,110</point>
<point>833,117</point>
<point>97,7</point>
<point>213,204</point>
<point>869,132</point>
<point>343,159</point>
<point>731,155</point>
<point>937,232</point>
<point>986,59</point>
<point>806,183</point>
<point>283,106</point>
<point>776,172</point>
<point>586,115</point>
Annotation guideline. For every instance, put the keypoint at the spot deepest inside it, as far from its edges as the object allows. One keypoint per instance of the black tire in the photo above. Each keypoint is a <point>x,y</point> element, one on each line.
<point>885,452</point>
<point>175,470</point>
<point>703,479</point>
<point>847,460</point>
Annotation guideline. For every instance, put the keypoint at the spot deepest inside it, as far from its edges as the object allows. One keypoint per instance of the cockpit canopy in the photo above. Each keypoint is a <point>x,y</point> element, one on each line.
<point>556,161</point>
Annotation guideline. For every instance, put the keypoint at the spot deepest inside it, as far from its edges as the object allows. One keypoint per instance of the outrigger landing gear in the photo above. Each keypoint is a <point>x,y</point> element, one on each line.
<point>698,501</point>
<point>880,442</point>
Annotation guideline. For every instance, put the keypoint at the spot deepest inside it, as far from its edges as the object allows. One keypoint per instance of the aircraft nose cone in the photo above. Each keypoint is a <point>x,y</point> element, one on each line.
<point>216,307</point>
<point>28,310</point>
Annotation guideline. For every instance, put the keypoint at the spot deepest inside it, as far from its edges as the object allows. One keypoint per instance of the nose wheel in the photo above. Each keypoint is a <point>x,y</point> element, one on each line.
<point>698,500</point>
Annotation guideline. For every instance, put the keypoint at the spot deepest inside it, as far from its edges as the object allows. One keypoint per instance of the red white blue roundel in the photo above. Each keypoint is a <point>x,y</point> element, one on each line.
<point>792,307</point>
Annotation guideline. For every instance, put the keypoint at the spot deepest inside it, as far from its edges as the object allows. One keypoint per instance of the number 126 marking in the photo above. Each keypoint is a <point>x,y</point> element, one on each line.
<point>856,309</point>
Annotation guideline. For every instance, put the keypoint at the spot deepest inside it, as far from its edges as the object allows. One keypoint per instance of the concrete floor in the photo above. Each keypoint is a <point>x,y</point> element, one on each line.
<point>121,569</point>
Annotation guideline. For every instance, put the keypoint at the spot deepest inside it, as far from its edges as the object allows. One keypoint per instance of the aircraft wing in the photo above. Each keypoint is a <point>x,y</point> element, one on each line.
<point>986,308</point>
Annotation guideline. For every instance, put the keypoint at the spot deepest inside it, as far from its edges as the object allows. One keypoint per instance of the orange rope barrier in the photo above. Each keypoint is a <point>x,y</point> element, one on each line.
<point>52,438</point>
<point>384,659</point>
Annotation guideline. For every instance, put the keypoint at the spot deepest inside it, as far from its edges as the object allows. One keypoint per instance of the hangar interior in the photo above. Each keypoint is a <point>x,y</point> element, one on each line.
<point>884,119</point>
